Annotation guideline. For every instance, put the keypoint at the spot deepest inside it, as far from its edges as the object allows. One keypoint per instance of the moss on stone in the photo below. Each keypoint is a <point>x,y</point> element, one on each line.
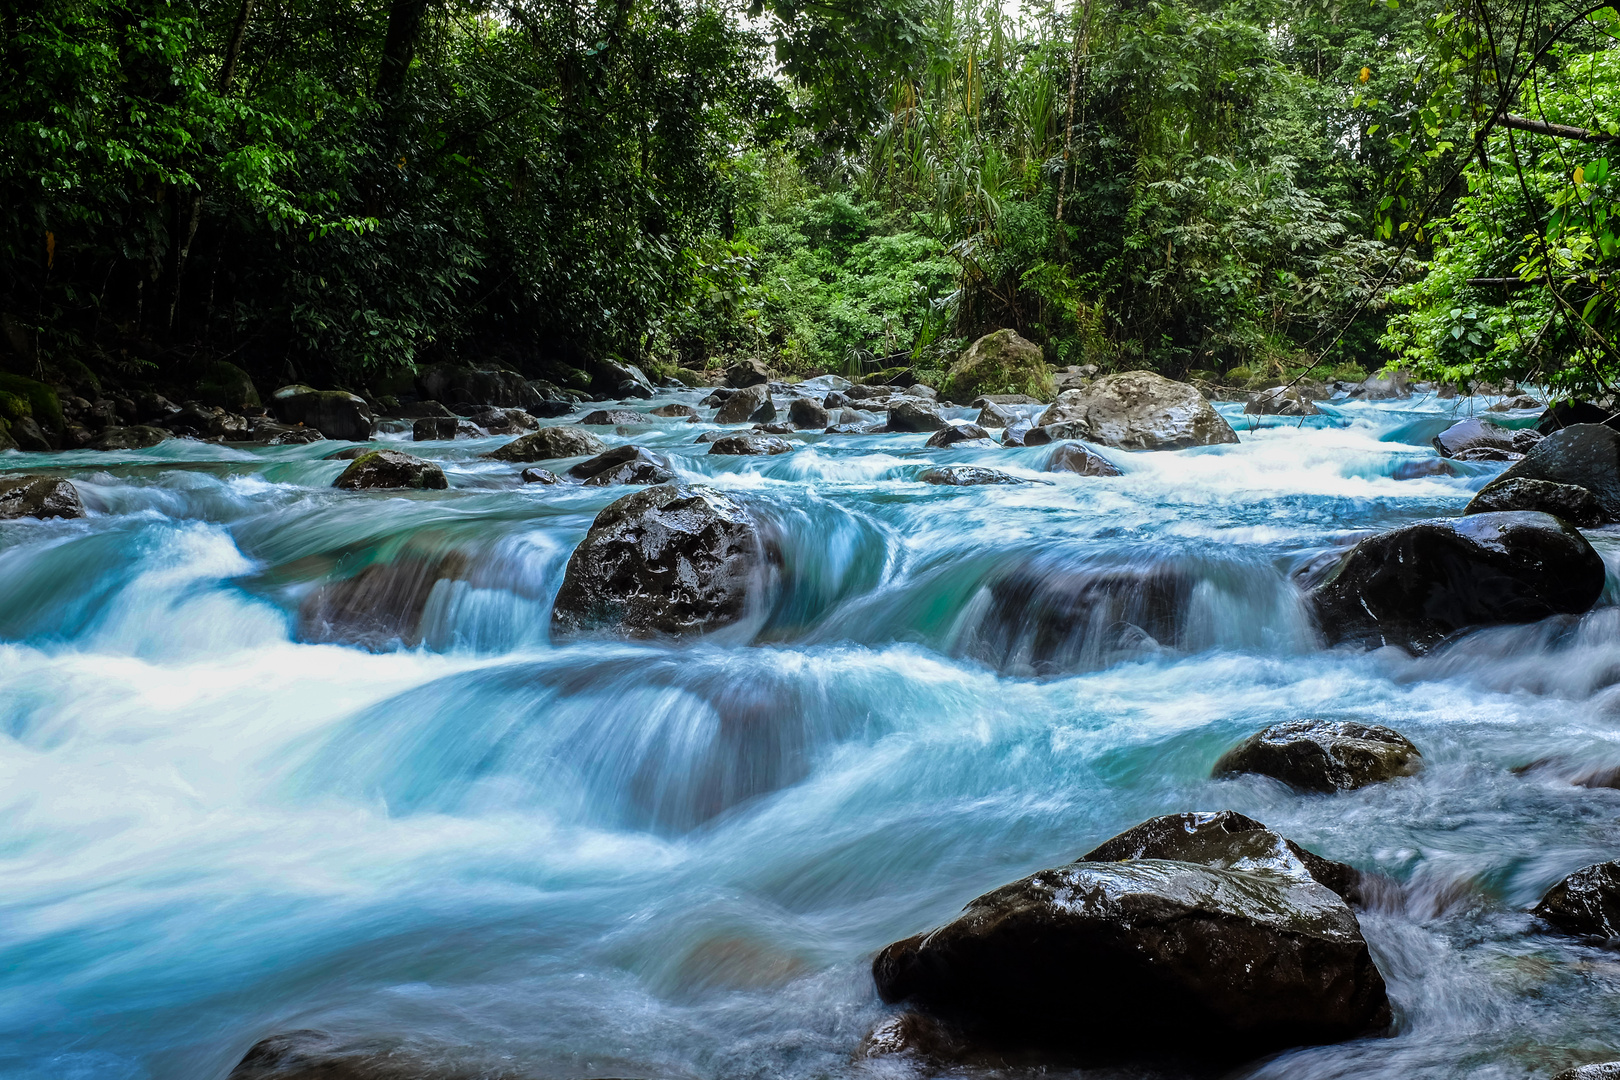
<point>999,363</point>
<point>43,403</point>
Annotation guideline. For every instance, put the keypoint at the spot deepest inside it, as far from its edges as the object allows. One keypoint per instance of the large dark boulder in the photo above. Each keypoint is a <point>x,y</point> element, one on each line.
<point>914,414</point>
<point>549,443</point>
<point>38,497</point>
<point>956,431</point>
<point>750,445</point>
<point>452,384</point>
<point>1575,505</point>
<point>227,386</point>
<point>666,562</point>
<point>431,428</point>
<point>807,413</point>
<point>1146,958</point>
<point>336,414</point>
<point>133,437</point>
<point>1586,904</point>
<point>1565,414</point>
<point>316,1055</point>
<point>390,469</point>
<point>1138,410</point>
<point>747,373</point>
<point>1474,434</point>
<point>751,404</point>
<point>1323,755</point>
<point>1585,455</point>
<point>1074,458</point>
<point>1416,585</point>
<point>623,465</point>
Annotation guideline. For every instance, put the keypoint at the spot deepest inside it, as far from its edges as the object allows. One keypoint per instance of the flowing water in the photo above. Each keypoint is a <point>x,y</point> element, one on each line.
<point>609,859</point>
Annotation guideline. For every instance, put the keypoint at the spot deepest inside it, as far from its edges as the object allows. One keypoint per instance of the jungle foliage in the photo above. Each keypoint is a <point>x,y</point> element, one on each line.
<point>340,193</point>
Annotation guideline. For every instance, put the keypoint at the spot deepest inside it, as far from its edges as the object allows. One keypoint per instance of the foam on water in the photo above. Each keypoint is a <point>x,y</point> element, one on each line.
<point>614,859</point>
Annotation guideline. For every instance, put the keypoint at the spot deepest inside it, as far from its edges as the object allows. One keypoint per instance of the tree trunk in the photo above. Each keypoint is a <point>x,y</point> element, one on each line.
<point>404,23</point>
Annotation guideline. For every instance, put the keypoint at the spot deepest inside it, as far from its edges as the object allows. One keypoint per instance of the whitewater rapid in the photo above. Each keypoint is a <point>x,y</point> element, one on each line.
<point>610,859</point>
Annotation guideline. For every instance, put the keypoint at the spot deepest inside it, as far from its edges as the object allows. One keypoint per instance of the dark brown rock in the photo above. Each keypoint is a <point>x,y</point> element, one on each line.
<point>913,414</point>
<point>390,469</point>
<point>334,413</point>
<point>747,373</point>
<point>316,1055</point>
<point>1575,505</point>
<point>751,404</point>
<point>1585,904</point>
<point>38,497</point>
<point>807,413</point>
<point>540,476</point>
<point>1414,586</point>
<point>675,409</point>
<point>1585,455</point>
<point>1475,434</point>
<point>666,562</point>
<point>434,428</point>
<point>1323,755</point>
<point>953,433</point>
<point>623,465</point>
<point>504,421</point>
<point>967,476</point>
<point>1072,457</point>
<point>613,417</point>
<point>550,443</point>
<point>750,445</point>
<point>452,384</point>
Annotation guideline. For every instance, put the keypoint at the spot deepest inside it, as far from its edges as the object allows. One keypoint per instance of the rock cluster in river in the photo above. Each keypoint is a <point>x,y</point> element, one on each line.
<point>666,561</point>
<point>1323,755</point>
<point>1197,936</point>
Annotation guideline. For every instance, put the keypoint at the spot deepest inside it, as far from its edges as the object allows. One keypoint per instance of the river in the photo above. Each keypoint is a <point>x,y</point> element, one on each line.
<point>608,859</point>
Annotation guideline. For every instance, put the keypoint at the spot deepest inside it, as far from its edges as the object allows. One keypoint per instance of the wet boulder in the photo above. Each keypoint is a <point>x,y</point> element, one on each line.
<point>1281,401</point>
<point>751,404</point>
<point>540,476</point>
<point>957,431</point>
<point>914,414</point>
<point>1323,755</point>
<point>499,421</point>
<point>1131,958</point>
<point>967,476</point>
<point>549,443</point>
<point>808,413</point>
<point>1414,586</point>
<point>621,378</point>
<point>747,373</point>
<point>1585,456</point>
<point>379,608</point>
<point>1138,410</point>
<point>431,428</point>
<point>317,1055</point>
<point>390,469</point>
<point>1074,458</point>
<point>750,445</point>
<point>38,497</point>
<point>208,422</point>
<point>134,437</point>
<point>1575,505</point>
<point>1383,386</point>
<point>1585,904</point>
<point>1017,433</point>
<point>1565,414</point>
<point>262,429</point>
<point>1606,1070</point>
<point>999,362</point>
<point>624,465</point>
<point>334,413</point>
<point>1474,433</point>
<point>228,387</point>
<point>667,561</point>
<point>614,417</point>
<point>675,410</point>
<point>992,415</point>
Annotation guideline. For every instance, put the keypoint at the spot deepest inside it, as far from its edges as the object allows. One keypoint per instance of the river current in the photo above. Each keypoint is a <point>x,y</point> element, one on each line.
<point>610,859</point>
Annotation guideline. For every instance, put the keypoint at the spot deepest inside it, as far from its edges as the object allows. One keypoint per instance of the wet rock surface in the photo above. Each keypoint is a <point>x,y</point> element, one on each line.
<point>914,414</point>
<point>540,476</point>
<point>1575,505</point>
<point>666,562</point>
<point>316,1055</point>
<point>1474,434</point>
<point>750,445</point>
<point>624,465</point>
<point>751,404</point>
<point>1586,904</point>
<point>1606,1070</point>
<point>1144,958</point>
<point>614,417</point>
<point>675,410</point>
<point>1584,455</point>
<point>1138,410</point>
<point>953,433</point>
<point>807,413</point>
<point>967,476</point>
<point>1323,755</point>
<point>38,497</point>
<point>1074,458</point>
<point>1416,585</point>
<point>433,428</point>
<point>550,443</point>
<point>336,414</point>
<point>1281,401</point>
<point>390,469</point>
<point>1000,362</point>
<point>379,608</point>
<point>134,437</point>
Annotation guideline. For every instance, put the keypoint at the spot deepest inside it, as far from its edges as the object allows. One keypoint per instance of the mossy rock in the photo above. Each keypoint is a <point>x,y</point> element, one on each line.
<point>43,403</point>
<point>227,386</point>
<point>13,407</point>
<point>691,378</point>
<point>6,441</point>
<point>1238,376</point>
<point>77,375</point>
<point>999,363</point>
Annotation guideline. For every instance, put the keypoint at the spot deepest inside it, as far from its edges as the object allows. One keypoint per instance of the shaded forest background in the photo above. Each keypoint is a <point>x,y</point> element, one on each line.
<point>339,194</point>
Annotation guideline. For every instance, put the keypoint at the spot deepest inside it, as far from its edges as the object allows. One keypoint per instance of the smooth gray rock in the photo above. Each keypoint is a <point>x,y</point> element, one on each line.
<point>1138,410</point>
<point>750,445</point>
<point>1074,458</point>
<point>751,404</point>
<point>956,432</point>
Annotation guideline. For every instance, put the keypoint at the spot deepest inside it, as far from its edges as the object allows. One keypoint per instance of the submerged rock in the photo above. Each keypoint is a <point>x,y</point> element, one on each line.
<point>379,607</point>
<point>1074,458</point>
<point>666,562</point>
<point>1586,904</point>
<point>1575,505</point>
<point>624,465</point>
<point>967,476</point>
<point>1138,410</point>
<point>334,413</point>
<point>1416,585</point>
<point>1149,957</point>
<point>38,497</point>
<point>957,432</point>
<point>390,469</point>
<point>751,404</point>
<point>316,1055</point>
<point>1323,755</point>
<point>750,445</point>
<point>1585,456</point>
<point>550,443</point>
